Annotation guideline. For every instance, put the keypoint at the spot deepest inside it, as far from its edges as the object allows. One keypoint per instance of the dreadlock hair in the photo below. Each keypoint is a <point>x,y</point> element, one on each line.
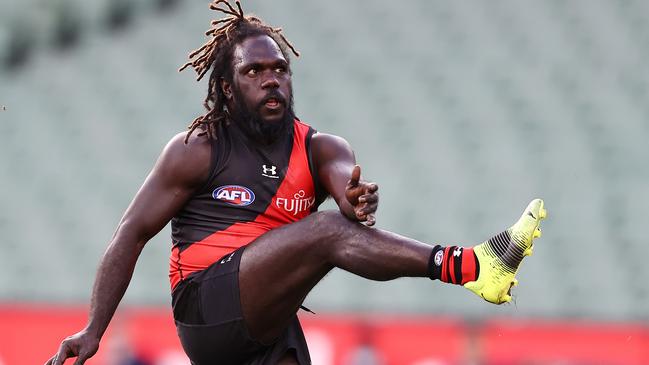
<point>217,52</point>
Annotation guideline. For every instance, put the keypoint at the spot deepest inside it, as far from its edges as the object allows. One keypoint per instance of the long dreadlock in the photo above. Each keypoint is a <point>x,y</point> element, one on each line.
<point>216,53</point>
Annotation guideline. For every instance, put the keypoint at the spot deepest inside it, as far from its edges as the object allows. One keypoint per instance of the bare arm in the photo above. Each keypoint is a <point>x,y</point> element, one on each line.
<point>179,171</point>
<point>339,174</point>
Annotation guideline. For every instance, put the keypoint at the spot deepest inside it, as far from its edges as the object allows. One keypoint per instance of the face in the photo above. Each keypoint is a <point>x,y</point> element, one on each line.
<point>261,82</point>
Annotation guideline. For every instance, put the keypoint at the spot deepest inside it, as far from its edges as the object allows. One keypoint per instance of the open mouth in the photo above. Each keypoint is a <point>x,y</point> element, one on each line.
<point>272,103</point>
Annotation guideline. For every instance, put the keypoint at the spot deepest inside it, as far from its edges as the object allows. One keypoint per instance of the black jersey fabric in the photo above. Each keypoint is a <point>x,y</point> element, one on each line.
<point>251,189</point>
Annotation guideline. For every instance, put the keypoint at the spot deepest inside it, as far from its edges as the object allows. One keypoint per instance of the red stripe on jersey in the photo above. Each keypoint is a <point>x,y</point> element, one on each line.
<point>292,202</point>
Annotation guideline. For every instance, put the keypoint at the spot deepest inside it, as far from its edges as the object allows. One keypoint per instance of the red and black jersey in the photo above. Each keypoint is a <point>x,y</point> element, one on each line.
<point>252,189</point>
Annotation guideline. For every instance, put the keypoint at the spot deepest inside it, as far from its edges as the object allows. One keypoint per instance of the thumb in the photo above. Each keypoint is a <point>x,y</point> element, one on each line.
<point>81,359</point>
<point>356,176</point>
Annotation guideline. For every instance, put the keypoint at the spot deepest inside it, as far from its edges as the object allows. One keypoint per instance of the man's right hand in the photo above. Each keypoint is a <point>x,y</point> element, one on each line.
<point>82,345</point>
<point>363,197</point>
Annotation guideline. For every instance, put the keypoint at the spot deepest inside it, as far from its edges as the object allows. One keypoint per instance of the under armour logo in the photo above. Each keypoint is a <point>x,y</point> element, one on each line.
<point>228,259</point>
<point>457,252</point>
<point>269,171</point>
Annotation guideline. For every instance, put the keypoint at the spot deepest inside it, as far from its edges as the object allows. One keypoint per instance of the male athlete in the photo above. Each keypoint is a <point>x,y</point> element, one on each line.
<point>241,188</point>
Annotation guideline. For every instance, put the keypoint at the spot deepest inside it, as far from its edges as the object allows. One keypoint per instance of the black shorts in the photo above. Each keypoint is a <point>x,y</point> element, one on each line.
<point>209,321</point>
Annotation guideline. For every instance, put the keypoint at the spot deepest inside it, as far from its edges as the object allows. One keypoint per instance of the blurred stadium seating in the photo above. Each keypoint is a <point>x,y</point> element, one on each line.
<point>461,111</point>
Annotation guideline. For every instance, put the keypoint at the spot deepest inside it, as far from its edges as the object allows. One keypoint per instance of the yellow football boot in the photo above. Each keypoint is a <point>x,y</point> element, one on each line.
<point>501,255</point>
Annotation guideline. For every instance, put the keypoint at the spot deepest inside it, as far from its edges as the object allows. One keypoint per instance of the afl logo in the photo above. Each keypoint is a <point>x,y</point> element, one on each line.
<point>234,195</point>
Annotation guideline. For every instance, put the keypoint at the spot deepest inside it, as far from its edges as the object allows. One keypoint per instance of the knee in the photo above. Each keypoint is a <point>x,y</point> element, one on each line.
<point>331,232</point>
<point>330,225</point>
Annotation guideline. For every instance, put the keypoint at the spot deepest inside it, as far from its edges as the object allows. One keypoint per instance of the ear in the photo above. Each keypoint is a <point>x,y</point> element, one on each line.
<point>226,87</point>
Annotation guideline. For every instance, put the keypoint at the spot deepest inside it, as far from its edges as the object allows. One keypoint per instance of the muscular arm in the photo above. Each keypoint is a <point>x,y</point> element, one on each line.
<point>340,176</point>
<point>179,171</point>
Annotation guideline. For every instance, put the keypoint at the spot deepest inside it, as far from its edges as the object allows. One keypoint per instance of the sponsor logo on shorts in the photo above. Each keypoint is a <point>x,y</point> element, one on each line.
<point>438,257</point>
<point>299,203</point>
<point>234,195</point>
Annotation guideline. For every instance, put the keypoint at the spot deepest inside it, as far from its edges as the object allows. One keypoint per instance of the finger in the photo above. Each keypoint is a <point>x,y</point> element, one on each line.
<point>371,220</point>
<point>360,215</point>
<point>59,359</point>
<point>50,361</point>
<point>60,356</point>
<point>370,209</point>
<point>81,359</point>
<point>356,176</point>
<point>368,198</point>
<point>372,188</point>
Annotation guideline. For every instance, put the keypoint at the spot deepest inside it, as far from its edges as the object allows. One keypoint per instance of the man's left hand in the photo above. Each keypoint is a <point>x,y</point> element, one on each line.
<point>363,196</point>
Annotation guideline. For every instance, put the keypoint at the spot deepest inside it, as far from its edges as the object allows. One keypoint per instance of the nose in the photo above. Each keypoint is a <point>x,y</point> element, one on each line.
<point>270,81</point>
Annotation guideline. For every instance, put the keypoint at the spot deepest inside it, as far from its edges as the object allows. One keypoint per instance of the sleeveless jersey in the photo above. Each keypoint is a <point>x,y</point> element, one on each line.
<point>251,189</point>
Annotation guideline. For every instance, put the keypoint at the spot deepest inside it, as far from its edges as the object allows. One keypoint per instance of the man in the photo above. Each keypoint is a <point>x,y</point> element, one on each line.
<point>239,188</point>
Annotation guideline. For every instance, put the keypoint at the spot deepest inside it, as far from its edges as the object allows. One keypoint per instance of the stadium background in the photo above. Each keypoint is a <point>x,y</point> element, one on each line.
<point>461,111</point>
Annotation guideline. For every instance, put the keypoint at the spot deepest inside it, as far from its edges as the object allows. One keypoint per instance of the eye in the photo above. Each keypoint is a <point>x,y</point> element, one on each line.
<point>280,69</point>
<point>252,72</point>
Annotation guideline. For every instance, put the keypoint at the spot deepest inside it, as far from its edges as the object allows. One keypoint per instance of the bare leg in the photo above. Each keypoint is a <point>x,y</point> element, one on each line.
<point>280,268</point>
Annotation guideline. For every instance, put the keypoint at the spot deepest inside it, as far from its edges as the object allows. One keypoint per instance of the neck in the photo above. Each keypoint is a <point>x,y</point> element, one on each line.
<point>262,132</point>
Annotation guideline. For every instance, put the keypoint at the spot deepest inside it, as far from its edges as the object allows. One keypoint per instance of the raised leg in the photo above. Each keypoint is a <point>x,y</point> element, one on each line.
<point>280,268</point>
